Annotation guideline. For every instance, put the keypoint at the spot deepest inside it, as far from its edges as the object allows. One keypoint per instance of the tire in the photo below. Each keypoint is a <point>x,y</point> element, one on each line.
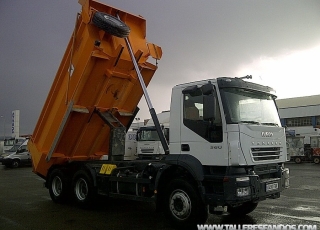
<point>15,164</point>
<point>242,209</point>
<point>110,24</point>
<point>307,153</point>
<point>183,206</point>
<point>297,160</point>
<point>83,189</point>
<point>316,160</point>
<point>58,187</point>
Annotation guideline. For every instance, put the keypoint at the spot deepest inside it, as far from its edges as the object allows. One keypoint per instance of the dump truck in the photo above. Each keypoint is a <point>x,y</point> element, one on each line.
<point>303,144</point>
<point>227,147</point>
<point>315,148</point>
<point>296,148</point>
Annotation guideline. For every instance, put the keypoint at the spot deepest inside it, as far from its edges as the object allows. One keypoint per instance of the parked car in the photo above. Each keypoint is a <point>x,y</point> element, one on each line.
<point>18,158</point>
<point>10,151</point>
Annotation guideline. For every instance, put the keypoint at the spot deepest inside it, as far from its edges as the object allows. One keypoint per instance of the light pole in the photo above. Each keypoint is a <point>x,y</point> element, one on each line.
<point>4,128</point>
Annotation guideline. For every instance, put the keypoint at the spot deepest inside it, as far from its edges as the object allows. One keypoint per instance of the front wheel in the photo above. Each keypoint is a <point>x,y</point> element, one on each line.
<point>316,160</point>
<point>15,163</point>
<point>242,209</point>
<point>183,205</point>
<point>84,191</point>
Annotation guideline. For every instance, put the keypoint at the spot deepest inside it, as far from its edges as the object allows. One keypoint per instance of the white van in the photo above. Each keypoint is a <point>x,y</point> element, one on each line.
<point>18,158</point>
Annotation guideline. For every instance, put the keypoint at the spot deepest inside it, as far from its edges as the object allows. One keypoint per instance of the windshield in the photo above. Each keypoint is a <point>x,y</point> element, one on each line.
<point>9,142</point>
<point>148,135</point>
<point>14,148</point>
<point>247,106</point>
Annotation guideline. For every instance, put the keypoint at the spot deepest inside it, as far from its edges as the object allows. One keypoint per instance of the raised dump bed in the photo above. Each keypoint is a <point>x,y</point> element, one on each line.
<point>96,89</point>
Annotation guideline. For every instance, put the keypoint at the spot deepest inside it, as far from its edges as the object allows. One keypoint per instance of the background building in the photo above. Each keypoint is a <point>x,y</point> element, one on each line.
<point>301,115</point>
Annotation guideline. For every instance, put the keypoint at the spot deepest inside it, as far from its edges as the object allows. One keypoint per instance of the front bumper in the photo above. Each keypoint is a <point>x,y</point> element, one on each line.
<point>7,161</point>
<point>237,189</point>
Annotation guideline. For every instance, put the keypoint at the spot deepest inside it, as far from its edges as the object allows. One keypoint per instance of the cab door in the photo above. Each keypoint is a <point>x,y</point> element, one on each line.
<point>24,155</point>
<point>202,131</point>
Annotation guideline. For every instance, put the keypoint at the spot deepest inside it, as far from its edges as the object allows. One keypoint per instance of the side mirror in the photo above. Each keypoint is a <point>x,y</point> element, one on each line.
<point>190,89</point>
<point>209,107</point>
<point>207,89</point>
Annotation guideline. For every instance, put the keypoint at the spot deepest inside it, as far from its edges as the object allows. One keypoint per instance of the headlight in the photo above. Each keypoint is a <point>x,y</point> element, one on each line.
<point>243,191</point>
<point>240,179</point>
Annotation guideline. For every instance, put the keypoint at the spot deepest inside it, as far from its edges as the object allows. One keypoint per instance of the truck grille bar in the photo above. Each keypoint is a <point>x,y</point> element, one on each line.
<point>147,150</point>
<point>265,153</point>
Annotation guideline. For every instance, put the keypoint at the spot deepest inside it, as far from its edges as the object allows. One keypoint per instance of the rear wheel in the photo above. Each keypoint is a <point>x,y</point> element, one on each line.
<point>83,189</point>
<point>242,209</point>
<point>298,160</point>
<point>183,205</point>
<point>58,186</point>
<point>316,160</point>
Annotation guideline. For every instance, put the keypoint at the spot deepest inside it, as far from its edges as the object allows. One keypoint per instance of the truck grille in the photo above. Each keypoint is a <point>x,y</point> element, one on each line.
<point>265,153</point>
<point>147,150</point>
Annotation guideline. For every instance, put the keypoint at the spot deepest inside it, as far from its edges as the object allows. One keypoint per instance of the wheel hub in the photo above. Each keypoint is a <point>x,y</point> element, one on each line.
<point>81,189</point>
<point>180,204</point>
<point>57,186</point>
<point>15,164</point>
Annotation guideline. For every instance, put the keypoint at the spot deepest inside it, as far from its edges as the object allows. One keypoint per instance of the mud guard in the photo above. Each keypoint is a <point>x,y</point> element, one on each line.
<point>191,164</point>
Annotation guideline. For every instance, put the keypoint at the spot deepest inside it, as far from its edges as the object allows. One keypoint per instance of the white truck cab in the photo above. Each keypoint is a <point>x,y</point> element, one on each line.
<point>148,141</point>
<point>226,122</point>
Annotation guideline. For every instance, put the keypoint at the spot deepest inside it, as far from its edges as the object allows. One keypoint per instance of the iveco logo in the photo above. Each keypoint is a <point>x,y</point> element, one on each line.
<point>267,134</point>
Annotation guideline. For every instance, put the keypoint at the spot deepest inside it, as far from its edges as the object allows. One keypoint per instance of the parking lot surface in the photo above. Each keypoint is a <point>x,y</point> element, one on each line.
<point>26,204</point>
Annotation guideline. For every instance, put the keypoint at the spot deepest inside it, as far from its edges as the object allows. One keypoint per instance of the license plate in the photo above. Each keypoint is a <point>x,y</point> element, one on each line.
<point>271,187</point>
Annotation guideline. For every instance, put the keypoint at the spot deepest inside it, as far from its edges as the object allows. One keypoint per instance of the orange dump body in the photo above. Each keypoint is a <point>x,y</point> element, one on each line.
<point>95,74</point>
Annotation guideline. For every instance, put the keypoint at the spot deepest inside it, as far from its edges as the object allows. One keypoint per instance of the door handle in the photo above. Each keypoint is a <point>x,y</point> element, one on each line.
<point>185,147</point>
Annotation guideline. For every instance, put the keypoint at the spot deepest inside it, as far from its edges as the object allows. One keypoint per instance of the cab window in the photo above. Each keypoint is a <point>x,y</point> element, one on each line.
<point>194,104</point>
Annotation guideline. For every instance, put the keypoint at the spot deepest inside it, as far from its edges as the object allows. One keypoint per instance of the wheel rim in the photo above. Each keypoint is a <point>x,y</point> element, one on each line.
<point>81,189</point>
<point>57,186</point>
<point>316,160</point>
<point>15,164</point>
<point>180,204</point>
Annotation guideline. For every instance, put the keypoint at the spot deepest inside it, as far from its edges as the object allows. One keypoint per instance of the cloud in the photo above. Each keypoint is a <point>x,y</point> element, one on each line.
<point>291,74</point>
<point>204,39</point>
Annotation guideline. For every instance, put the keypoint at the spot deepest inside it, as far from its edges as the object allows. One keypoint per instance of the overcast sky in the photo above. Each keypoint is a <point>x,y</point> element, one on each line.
<point>278,42</point>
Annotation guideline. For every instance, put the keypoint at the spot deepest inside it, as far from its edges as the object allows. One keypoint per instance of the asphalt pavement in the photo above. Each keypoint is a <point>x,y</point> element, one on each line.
<point>26,204</point>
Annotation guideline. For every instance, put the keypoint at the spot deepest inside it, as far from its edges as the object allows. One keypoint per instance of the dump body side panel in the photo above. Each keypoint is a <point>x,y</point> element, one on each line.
<point>96,73</point>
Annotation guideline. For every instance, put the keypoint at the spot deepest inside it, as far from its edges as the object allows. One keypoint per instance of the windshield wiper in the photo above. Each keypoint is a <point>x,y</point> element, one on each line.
<point>270,123</point>
<point>251,122</point>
